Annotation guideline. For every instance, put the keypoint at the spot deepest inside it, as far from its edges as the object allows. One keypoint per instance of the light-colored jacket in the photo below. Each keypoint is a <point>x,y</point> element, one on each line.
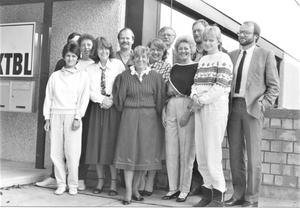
<point>262,81</point>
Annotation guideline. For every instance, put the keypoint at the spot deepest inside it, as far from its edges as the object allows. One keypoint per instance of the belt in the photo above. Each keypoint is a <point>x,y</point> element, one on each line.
<point>238,98</point>
<point>178,96</point>
<point>106,95</point>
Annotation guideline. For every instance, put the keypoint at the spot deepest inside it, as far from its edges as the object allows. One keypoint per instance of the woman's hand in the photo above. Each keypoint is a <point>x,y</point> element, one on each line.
<point>164,117</point>
<point>47,125</point>
<point>75,124</point>
<point>185,118</point>
<point>106,103</point>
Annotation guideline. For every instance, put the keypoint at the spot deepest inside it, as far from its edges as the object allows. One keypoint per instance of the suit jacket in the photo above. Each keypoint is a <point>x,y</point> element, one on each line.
<point>262,82</point>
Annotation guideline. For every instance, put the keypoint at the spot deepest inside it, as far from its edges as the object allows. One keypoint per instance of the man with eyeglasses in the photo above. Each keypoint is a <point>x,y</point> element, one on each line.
<point>167,35</point>
<point>255,88</point>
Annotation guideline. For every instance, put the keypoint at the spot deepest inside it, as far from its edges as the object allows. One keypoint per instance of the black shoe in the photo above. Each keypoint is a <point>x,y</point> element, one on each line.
<point>196,192</point>
<point>182,199</point>
<point>232,202</point>
<point>250,204</point>
<point>146,193</point>
<point>126,202</point>
<point>173,196</point>
<point>137,198</point>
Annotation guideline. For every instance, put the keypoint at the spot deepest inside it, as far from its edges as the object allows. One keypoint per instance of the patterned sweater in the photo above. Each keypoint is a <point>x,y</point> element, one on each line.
<point>213,78</point>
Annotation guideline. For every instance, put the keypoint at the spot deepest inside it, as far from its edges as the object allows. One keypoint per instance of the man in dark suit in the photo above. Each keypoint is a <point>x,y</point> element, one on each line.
<point>255,88</point>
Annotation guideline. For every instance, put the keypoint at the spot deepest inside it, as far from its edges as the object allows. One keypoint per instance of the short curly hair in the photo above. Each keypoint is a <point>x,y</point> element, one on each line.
<point>140,50</point>
<point>84,37</point>
<point>159,44</point>
<point>186,39</point>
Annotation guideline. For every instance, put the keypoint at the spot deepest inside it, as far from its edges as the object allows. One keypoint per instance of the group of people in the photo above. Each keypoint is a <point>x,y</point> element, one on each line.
<point>170,100</point>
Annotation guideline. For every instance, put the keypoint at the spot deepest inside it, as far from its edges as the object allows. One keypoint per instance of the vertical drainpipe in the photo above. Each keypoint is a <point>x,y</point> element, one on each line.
<point>44,75</point>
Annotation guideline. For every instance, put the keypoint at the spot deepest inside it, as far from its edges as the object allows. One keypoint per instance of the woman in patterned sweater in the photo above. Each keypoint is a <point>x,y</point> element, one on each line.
<point>140,94</point>
<point>210,91</point>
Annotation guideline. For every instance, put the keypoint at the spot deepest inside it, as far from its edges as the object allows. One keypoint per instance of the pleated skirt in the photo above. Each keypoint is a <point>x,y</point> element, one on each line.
<point>101,134</point>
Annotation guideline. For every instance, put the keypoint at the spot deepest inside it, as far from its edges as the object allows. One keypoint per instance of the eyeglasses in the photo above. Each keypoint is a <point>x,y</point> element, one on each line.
<point>246,33</point>
<point>166,34</point>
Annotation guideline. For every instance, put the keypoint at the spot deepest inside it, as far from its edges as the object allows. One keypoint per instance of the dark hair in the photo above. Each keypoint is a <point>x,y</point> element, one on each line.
<point>102,41</point>
<point>72,35</point>
<point>202,21</point>
<point>72,47</point>
<point>85,36</point>
<point>125,28</point>
<point>159,44</point>
<point>257,29</point>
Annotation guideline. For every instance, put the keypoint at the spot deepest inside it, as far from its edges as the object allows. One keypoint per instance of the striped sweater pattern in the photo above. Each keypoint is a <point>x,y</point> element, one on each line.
<point>214,71</point>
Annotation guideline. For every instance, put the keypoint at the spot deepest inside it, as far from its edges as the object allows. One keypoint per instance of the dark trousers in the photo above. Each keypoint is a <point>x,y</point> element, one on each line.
<point>244,133</point>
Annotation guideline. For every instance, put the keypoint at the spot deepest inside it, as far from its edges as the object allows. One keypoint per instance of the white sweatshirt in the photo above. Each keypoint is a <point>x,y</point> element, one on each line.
<point>67,92</point>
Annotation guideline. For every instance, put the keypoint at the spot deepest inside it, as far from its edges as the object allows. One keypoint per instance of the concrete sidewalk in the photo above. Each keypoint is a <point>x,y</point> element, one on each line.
<point>17,189</point>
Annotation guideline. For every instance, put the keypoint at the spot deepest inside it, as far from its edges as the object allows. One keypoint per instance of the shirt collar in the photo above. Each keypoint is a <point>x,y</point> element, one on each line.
<point>249,50</point>
<point>108,63</point>
<point>146,71</point>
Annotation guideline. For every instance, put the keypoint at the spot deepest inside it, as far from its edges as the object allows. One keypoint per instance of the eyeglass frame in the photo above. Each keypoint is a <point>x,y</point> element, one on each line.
<point>166,34</point>
<point>245,33</point>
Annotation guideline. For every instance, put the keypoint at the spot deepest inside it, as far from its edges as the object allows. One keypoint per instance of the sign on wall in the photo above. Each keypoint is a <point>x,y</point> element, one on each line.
<point>19,49</point>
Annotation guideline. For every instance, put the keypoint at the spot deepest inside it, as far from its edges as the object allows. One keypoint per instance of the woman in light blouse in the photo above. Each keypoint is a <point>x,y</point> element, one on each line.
<point>140,94</point>
<point>102,116</point>
<point>210,92</point>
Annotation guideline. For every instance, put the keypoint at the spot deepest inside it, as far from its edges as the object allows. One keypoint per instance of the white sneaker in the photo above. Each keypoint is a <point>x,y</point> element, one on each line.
<point>47,182</point>
<point>60,190</point>
<point>81,185</point>
<point>73,191</point>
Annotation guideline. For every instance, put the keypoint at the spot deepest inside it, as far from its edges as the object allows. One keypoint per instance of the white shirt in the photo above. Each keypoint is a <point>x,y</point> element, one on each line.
<point>82,64</point>
<point>114,67</point>
<point>144,72</point>
<point>169,58</point>
<point>249,53</point>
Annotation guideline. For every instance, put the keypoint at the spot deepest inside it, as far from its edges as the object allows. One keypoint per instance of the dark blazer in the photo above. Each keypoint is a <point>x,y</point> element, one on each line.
<point>262,81</point>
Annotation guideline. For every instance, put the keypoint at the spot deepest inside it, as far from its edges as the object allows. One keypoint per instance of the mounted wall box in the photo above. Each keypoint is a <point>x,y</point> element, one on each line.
<point>4,95</point>
<point>18,96</point>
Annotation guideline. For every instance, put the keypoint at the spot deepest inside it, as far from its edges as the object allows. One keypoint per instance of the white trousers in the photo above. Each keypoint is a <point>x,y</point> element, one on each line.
<point>180,146</point>
<point>210,126</point>
<point>65,149</point>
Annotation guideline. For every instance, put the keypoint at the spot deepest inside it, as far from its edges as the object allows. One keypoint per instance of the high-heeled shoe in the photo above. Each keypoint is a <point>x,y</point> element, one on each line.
<point>126,202</point>
<point>99,190</point>
<point>182,199</point>
<point>111,191</point>
<point>173,196</point>
<point>137,198</point>
<point>146,193</point>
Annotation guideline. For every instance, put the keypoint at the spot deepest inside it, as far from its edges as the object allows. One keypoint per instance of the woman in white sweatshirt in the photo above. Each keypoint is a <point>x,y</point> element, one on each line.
<point>67,97</point>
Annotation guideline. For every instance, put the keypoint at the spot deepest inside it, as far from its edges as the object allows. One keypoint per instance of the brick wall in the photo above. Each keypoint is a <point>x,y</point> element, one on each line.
<point>280,155</point>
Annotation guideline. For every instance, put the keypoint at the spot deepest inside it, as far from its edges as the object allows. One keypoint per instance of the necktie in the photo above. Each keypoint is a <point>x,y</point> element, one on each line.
<point>103,90</point>
<point>239,74</point>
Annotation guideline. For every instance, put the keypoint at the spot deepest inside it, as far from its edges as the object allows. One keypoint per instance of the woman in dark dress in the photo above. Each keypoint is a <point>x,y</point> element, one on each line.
<point>140,94</point>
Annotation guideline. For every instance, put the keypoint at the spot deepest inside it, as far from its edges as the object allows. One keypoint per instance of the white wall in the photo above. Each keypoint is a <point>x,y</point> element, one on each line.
<point>290,83</point>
